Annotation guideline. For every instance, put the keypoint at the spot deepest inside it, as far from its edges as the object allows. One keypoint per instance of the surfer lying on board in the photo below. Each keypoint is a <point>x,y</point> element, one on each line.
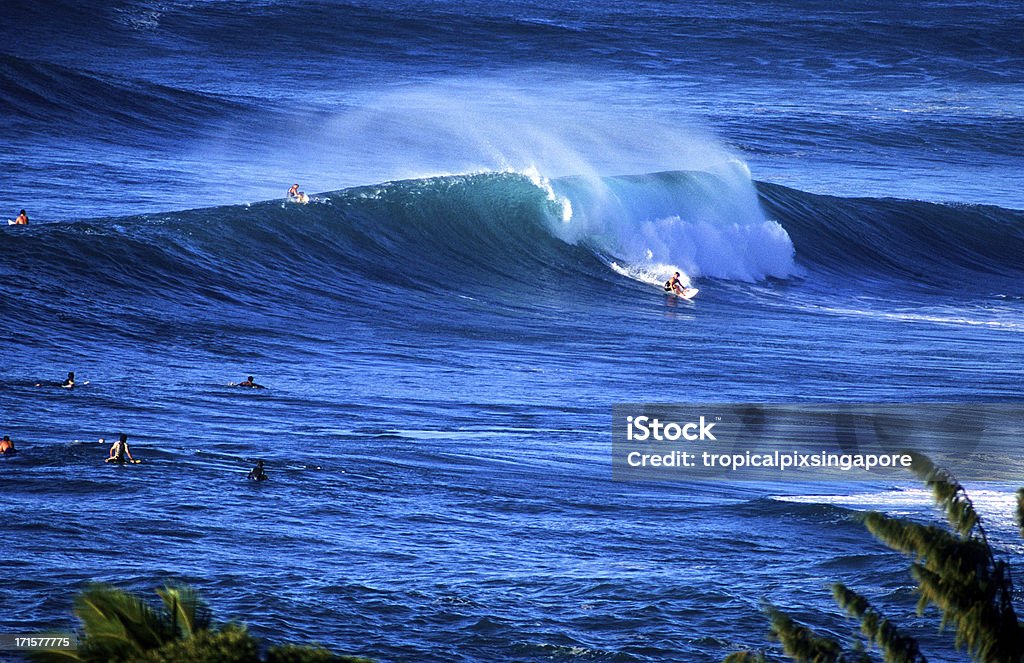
<point>69,383</point>
<point>22,219</point>
<point>119,451</point>
<point>7,447</point>
<point>674,284</point>
<point>249,383</point>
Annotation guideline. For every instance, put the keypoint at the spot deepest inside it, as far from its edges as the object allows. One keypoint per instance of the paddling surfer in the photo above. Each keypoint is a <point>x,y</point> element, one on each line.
<point>249,383</point>
<point>68,383</point>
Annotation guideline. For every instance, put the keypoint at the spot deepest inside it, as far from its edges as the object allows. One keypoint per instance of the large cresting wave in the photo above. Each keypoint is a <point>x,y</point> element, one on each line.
<point>515,238</point>
<point>497,232</point>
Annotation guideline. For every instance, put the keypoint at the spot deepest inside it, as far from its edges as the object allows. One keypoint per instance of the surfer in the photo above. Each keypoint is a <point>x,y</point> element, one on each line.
<point>69,383</point>
<point>119,451</point>
<point>674,285</point>
<point>297,196</point>
<point>257,473</point>
<point>249,383</point>
<point>7,447</point>
<point>22,219</point>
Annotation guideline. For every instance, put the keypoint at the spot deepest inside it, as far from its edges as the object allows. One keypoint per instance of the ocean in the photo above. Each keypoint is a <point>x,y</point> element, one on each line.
<point>498,191</point>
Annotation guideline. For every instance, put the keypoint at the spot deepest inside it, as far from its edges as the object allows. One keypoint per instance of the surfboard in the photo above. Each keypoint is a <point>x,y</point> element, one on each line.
<point>688,293</point>
<point>302,199</point>
<point>12,222</point>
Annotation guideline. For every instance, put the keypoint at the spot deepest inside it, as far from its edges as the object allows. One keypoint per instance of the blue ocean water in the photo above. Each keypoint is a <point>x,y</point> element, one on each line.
<point>499,191</point>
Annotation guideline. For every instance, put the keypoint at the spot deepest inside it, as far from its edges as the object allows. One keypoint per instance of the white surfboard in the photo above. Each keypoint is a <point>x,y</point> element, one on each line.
<point>688,293</point>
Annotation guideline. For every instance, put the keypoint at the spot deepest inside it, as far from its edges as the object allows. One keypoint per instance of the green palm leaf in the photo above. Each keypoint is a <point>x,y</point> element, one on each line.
<point>188,613</point>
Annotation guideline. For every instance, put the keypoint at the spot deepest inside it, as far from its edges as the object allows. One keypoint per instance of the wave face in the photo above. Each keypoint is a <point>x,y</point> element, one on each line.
<point>516,235</point>
<point>902,241</point>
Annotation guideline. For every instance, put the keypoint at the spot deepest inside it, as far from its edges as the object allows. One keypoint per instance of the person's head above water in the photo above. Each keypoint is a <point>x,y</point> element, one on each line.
<point>71,374</point>
<point>249,379</point>
<point>124,438</point>
<point>7,438</point>
<point>21,212</point>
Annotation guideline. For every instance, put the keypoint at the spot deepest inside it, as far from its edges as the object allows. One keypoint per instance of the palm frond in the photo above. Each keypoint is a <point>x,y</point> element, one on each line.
<point>187,613</point>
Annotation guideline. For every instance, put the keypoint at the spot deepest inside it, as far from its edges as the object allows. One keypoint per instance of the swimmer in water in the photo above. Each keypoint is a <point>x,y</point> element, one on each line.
<point>7,446</point>
<point>249,383</point>
<point>257,473</point>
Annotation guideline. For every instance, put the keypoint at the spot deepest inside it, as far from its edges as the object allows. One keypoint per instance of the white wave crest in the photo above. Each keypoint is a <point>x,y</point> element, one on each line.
<point>701,224</point>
